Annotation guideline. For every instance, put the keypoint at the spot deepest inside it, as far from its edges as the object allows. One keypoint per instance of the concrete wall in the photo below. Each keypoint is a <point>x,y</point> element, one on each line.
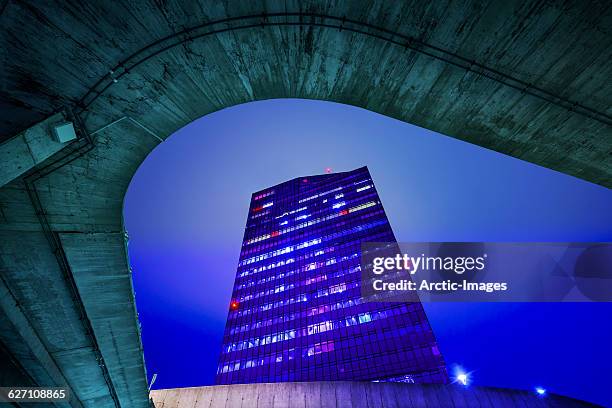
<point>529,79</point>
<point>352,395</point>
<point>40,319</point>
<point>29,148</point>
<point>526,78</point>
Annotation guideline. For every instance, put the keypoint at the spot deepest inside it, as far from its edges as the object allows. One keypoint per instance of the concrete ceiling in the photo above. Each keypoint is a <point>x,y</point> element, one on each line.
<point>529,79</point>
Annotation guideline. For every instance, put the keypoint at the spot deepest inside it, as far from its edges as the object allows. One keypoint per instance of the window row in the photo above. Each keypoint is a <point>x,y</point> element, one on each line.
<point>309,330</point>
<point>287,317</point>
<point>285,355</point>
<point>311,242</point>
<point>310,223</point>
<point>334,224</point>
<point>304,283</point>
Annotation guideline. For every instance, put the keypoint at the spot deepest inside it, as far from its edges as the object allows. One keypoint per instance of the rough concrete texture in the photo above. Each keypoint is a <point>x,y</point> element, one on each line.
<point>29,148</point>
<point>529,79</point>
<point>434,78</point>
<point>352,395</point>
<point>83,202</point>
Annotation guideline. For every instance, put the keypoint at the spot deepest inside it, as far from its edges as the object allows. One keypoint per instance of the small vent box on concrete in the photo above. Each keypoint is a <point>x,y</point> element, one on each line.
<point>64,132</point>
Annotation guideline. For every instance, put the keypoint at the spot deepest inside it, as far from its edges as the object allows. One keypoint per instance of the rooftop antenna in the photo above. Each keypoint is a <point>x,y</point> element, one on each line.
<point>152,381</point>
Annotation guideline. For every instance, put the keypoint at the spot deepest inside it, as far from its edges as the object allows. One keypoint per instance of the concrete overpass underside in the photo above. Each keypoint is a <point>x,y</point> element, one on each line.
<point>528,79</point>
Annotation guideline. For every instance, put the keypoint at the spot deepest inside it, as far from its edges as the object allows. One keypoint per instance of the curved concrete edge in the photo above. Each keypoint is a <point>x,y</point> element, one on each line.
<point>353,395</point>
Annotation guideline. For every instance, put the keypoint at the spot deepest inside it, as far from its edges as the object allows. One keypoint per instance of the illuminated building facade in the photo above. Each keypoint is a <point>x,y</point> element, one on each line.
<point>296,312</point>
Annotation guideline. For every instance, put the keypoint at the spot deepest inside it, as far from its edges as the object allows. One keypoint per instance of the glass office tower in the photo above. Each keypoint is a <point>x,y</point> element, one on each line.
<point>296,312</point>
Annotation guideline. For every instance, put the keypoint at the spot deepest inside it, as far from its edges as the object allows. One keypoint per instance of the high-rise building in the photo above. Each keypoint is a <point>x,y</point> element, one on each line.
<point>296,312</point>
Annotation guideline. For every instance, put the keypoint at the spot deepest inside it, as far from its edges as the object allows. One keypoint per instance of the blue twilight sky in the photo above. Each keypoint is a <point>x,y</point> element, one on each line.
<point>186,207</point>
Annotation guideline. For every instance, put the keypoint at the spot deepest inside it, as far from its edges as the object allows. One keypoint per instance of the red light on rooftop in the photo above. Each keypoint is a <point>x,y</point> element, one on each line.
<point>234,305</point>
<point>328,170</point>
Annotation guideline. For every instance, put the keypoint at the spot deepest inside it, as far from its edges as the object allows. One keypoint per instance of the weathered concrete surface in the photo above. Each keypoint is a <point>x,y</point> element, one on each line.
<point>58,51</point>
<point>114,319</point>
<point>353,395</point>
<point>529,79</point>
<point>83,203</point>
<point>27,349</point>
<point>29,148</point>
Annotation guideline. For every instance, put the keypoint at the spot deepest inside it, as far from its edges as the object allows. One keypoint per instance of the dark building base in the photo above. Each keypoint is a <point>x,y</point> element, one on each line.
<point>352,395</point>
